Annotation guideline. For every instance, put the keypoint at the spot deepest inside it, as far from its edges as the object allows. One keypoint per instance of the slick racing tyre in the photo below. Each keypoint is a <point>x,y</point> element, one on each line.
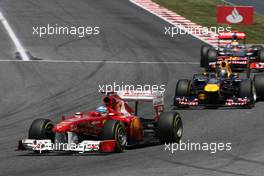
<point>170,127</point>
<point>210,57</point>
<point>183,88</point>
<point>258,47</point>
<point>41,129</point>
<point>247,89</point>
<point>115,130</point>
<point>204,50</point>
<point>259,86</point>
<point>261,55</point>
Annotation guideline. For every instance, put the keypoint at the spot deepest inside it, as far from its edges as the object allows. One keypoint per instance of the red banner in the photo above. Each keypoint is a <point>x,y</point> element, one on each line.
<point>235,14</point>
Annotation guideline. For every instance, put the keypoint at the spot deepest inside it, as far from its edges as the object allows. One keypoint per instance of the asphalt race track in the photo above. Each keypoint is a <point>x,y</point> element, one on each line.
<point>32,90</point>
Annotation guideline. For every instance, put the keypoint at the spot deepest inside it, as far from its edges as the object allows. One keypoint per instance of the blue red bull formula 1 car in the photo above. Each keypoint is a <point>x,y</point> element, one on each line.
<point>219,88</point>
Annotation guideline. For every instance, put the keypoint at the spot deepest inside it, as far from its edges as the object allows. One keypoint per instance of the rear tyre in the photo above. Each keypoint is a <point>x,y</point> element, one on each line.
<point>115,130</point>
<point>210,57</point>
<point>261,55</point>
<point>259,86</point>
<point>41,129</point>
<point>204,50</point>
<point>247,89</point>
<point>170,127</point>
<point>258,47</point>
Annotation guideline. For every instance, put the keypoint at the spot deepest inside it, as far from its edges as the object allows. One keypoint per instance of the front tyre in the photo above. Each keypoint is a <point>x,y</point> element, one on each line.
<point>115,130</point>
<point>182,89</point>
<point>170,127</point>
<point>41,129</point>
<point>247,89</point>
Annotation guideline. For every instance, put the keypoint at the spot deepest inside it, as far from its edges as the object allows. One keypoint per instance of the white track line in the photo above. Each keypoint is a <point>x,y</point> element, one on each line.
<point>99,62</point>
<point>14,38</point>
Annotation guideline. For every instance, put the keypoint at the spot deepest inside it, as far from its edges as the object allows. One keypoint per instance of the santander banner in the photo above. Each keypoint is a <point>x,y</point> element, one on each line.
<point>235,14</point>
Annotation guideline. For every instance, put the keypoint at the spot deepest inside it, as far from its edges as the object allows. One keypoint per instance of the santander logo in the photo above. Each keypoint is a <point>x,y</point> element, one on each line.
<point>234,17</point>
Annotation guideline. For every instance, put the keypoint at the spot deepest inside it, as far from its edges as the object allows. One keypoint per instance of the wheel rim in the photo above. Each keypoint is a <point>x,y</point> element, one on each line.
<point>177,128</point>
<point>179,132</point>
<point>254,94</point>
<point>48,130</point>
<point>121,136</point>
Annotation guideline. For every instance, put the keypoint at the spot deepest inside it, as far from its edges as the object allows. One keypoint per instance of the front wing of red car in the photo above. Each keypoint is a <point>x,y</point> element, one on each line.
<point>82,147</point>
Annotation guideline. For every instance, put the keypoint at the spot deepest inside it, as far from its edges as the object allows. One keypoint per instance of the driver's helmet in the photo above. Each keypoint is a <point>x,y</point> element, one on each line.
<point>101,110</point>
<point>79,114</point>
<point>222,74</point>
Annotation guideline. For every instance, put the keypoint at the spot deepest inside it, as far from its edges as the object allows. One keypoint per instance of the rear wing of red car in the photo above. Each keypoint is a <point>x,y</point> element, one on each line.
<point>156,97</point>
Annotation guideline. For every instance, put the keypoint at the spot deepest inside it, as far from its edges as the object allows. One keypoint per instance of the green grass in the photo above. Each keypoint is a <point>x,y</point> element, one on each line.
<point>203,12</point>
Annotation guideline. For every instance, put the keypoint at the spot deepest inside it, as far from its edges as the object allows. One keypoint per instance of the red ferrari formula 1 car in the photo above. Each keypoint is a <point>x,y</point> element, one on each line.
<point>237,54</point>
<point>110,128</point>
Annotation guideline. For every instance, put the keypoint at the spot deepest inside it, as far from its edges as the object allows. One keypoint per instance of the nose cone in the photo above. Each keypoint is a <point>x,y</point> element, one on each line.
<point>211,88</point>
